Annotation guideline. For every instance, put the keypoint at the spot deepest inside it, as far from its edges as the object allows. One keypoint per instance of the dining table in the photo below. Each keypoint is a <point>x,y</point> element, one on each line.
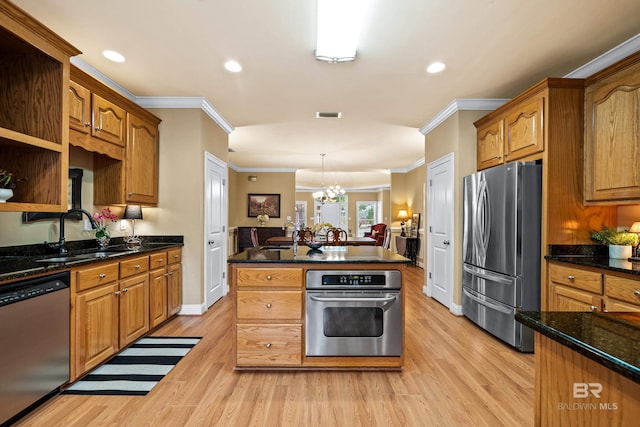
<point>351,241</point>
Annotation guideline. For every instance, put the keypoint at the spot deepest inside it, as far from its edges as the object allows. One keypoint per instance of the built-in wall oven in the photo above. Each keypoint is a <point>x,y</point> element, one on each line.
<point>354,313</point>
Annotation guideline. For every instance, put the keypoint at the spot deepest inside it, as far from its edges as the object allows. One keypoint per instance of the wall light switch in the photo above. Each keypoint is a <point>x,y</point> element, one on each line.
<point>288,217</point>
<point>87,225</point>
<point>123,224</point>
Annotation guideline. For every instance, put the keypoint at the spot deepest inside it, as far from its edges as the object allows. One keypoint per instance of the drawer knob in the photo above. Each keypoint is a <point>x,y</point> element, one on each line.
<point>268,345</point>
<point>160,260</point>
<point>636,293</point>
<point>269,277</point>
<point>593,308</point>
<point>570,277</point>
<point>268,305</point>
<point>137,266</point>
<point>102,275</point>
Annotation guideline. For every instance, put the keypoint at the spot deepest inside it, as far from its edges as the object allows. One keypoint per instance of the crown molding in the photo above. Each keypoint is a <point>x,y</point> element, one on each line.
<point>365,189</point>
<point>408,168</point>
<point>186,102</point>
<point>80,63</point>
<point>282,170</point>
<point>619,52</point>
<point>460,104</point>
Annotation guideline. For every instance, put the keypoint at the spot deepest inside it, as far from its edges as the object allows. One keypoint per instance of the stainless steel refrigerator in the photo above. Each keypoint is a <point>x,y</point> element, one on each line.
<point>501,249</point>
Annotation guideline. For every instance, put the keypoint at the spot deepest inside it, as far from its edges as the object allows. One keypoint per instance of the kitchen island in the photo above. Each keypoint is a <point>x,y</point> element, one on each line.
<point>587,367</point>
<point>355,290</point>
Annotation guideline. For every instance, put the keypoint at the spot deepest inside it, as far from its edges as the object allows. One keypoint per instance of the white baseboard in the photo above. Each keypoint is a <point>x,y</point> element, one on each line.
<point>191,310</point>
<point>456,309</point>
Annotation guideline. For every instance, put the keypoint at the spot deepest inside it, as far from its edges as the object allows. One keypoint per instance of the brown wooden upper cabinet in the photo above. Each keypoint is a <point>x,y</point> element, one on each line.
<point>612,136</point>
<point>34,127</point>
<point>123,137</point>
<point>511,133</point>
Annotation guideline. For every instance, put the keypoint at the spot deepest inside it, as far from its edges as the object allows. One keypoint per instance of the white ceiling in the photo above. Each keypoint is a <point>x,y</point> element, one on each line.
<point>492,49</point>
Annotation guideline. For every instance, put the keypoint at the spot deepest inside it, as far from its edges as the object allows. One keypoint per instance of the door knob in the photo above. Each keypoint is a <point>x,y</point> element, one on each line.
<point>211,242</point>
<point>446,242</point>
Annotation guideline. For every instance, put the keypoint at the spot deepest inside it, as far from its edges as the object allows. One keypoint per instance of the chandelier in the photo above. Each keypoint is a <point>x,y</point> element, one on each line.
<point>328,195</point>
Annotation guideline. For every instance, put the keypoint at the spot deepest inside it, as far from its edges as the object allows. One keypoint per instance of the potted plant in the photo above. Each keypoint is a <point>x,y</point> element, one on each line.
<point>7,184</point>
<point>620,243</point>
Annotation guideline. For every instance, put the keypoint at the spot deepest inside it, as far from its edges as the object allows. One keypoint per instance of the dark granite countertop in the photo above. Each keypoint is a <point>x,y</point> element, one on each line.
<point>596,256</point>
<point>22,261</point>
<point>610,339</point>
<point>329,254</point>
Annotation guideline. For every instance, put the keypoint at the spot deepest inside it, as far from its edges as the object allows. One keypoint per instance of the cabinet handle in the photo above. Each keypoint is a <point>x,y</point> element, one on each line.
<point>160,260</point>
<point>125,290</point>
<point>170,273</point>
<point>268,305</point>
<point>268,345</point>
<point>593,308</point>
<point>88,124</point>
<point>102,275</point>
<point>269,277</point>
<point>137,266</point>
<point>570,277</point>
<point>116,293</point>
<point>130,194</point>
<point>636,293</point>
<point>176,256</point>
<point>166,274</point>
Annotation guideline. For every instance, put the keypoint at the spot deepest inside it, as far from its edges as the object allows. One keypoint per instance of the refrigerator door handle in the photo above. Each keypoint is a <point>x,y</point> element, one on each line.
<point>487,275</point>
<point>492,306</point>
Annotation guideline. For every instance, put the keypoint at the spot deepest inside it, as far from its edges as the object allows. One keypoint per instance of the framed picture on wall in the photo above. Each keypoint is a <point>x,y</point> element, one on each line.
<point>415,225</point>
<point>264,204</point>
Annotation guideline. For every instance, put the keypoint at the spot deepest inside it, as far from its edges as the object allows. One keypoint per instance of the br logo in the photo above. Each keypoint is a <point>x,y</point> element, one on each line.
<point>583,390</point>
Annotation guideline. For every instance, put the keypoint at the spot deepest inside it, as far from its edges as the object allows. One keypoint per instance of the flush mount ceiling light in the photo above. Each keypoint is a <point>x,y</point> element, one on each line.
<point>112,55</point>
<point>435,67</point>
<point>339,24</point>
<point>233,66</point>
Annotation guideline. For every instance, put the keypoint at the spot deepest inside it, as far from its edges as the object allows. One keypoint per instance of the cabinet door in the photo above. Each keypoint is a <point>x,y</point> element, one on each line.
<point>524,129</point>
<point>490,144</point>
<point>612,140</point>
<point>134,308</point>
<point>141,162</point>
<point>174,288</point>
<point>109,121</point>
<point>79,108</point>
<point>157,296</point>
<point>568,299</point>
<point>96,326</point>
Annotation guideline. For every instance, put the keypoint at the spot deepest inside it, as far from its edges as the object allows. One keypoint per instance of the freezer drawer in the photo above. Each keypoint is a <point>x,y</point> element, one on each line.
<point>497,319</point>
<point>502,288</point>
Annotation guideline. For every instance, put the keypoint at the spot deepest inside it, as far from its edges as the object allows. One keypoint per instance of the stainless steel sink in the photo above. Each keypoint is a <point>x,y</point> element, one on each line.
<point>80,257</point>
<point>275,248</point>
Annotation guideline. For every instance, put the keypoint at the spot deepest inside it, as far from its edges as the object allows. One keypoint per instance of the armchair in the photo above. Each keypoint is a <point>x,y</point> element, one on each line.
<point>377,232</point>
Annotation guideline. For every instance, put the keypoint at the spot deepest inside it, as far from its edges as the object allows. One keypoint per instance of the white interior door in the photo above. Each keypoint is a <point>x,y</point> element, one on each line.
<point>215,211</point>
<point>440,215</point>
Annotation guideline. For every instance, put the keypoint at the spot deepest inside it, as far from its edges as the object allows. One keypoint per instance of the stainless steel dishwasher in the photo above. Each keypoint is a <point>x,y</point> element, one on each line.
<point>34,342</point>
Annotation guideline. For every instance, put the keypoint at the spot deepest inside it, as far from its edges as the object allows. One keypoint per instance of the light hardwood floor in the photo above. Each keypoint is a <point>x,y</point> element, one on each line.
<point>454,375</point>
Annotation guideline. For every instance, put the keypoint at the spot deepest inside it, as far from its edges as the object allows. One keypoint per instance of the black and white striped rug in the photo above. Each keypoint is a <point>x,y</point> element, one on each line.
<point>137,369</point>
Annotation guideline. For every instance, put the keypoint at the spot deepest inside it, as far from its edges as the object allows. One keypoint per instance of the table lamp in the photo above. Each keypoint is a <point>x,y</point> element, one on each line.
<point>403,215</point>
<point>133,212</point>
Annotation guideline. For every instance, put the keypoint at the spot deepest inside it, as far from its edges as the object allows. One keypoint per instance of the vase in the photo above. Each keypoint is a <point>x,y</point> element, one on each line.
<point>5,194</point>
<point>262,219</point>
<point>103,242</point>
<point>620,252</point>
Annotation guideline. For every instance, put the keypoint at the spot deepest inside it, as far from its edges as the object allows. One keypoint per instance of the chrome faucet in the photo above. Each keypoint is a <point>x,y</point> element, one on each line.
<point>296,230</point>
<point>60,244</point>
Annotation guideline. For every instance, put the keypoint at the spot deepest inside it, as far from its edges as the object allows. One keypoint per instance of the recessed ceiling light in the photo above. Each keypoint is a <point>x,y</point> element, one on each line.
<point>435,67</point>
<point>233,66</point>
<point>321,115</point>
<point>112,55</point>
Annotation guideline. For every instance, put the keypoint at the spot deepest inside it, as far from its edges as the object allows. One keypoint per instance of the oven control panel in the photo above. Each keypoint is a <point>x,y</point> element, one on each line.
<point>349,279</point>
<point>353,279</point>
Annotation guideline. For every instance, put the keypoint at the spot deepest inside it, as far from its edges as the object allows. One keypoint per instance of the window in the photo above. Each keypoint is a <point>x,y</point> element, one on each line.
<point>367,216</point>
<point>301,213</point>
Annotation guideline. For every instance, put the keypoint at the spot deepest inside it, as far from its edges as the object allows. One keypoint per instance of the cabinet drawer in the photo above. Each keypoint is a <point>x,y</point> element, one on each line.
<point>615,305</point>
<point>576,278</point>
<point>273,305</point>
<point>131,267</point>
<point>272,277</point>
<point>259,345</point>
<point>157,260</point>
<point>90,277</point>
<point>622,289</point>
<point>174,255</point>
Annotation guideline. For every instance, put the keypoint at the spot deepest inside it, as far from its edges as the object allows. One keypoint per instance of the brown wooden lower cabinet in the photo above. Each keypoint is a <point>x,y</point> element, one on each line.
<point>560,402</point>
<point>115,303</point>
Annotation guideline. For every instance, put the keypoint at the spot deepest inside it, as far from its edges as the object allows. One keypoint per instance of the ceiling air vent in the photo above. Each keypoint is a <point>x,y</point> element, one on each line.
<point>320,115</point>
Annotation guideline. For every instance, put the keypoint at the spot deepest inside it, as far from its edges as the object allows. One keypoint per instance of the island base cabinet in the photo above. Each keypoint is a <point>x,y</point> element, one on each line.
<point>268,345</point>
<point>572,390</point>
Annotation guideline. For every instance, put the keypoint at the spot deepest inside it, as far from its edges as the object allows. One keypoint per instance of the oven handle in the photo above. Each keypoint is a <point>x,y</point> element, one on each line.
<point>366,299</point>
